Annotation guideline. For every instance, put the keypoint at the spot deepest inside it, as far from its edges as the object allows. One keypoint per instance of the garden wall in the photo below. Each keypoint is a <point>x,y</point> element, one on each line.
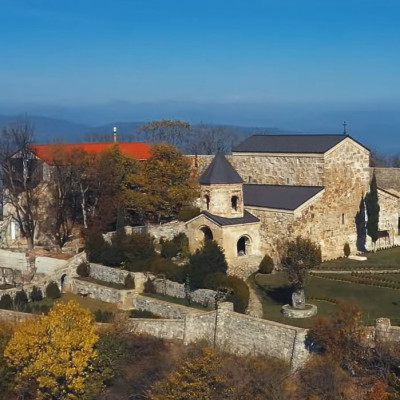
<point>174,289</point>
<point>160,328</point>
<point>162,308</point>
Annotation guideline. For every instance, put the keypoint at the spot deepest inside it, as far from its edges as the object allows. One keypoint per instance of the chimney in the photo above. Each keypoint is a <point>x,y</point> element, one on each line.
<point>115,134</point>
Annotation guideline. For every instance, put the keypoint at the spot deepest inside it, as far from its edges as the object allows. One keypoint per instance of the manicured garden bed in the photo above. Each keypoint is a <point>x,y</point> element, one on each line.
<point>119,286</point>
<point>376,302</point>
<point>175,300</point>
<point>382,259</point>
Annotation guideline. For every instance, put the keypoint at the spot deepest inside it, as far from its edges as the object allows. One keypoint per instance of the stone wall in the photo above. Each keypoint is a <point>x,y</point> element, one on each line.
<point>387,178</point>
<point>388,217</point>
<point>162,308</point>
<point>175,289</point>
<point>160,328</point>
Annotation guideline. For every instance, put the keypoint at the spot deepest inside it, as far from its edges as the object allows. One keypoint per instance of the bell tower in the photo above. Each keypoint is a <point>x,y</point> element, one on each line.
<point>222,189</point>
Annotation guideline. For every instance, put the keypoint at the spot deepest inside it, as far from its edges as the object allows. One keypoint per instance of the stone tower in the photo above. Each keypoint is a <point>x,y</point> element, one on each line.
<point>222,189</point>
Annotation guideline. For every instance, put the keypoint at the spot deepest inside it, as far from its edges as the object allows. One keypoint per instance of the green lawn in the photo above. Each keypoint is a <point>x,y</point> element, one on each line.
<point>375,301</point>
<point>382,259</point>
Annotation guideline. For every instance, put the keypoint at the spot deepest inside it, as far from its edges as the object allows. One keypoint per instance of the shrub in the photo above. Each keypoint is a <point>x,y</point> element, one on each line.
<point>209,259</point>
<point>20,301</point>
<point>266,265</point>
<point>103,316</point>
<point>346,249</point>
<point>6,302</point>
<point>95,247</point>
<point>83,269</point>
<point>52,291</point>
<point>169,249</point>
<point>237,289</point>
<point>129,282</point>
<point>171,270</point>
<point>36,294</point>
<point>149,286</point>
<point>187,213</point>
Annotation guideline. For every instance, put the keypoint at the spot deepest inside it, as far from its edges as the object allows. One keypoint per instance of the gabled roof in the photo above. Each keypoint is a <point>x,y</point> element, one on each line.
<point>138,150</point>
<point>220,171</point>
<point>290,143</point>
<point>247,218</point>
<point>278,196</point>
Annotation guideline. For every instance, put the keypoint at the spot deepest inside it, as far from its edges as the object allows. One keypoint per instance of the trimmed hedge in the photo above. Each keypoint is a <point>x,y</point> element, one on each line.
<point>36,294</point>
<point>172,271</point>
<point>83,269</point>
<point>6,302</point>
<point>266,265</point>
<point>20,301</point>
<point>52,291</point>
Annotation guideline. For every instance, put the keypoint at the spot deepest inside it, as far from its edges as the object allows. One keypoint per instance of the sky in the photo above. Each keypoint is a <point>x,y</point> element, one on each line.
<point>279,52</point>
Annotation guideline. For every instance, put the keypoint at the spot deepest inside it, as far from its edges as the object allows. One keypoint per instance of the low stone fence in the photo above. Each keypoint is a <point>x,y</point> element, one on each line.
<point>117,275</point>
<point>174,289</point>
<point>162,308</point>
<point>15,316</point>
<point>160,328</point>
<point>122,298</point>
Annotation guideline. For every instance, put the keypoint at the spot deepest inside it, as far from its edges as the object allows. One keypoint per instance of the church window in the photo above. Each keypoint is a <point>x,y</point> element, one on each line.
<point>288,181</point>
<point>234,202</point>
<point>343,219</point>
<point>207,200</point>
<point>249,180</point>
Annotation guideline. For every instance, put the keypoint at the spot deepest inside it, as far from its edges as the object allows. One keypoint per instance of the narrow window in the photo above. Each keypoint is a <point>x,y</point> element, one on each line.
<point>249,179</point>
<point>207,200</point>
<point>342,219</point>
<point>234,201</point>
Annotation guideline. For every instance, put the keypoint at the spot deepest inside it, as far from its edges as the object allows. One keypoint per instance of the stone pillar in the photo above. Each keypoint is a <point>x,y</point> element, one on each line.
<point>382,328</point>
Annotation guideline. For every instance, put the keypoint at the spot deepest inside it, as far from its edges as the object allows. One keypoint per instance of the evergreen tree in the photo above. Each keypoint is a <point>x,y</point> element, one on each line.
<point>360,226</point>
<point>371,202</point>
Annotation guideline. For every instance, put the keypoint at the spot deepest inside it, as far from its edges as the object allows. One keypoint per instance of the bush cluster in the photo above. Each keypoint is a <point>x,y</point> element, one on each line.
<point>52,291</point>
<point>134,251</point>
<point>149,286</point>
<point>169,269</point>
<point>103,316</point>
<point>178,246</point>
<point>346,249</point>
<point>266,265</point>
<point>36,294</point>
<point>83,269</point>
<point>236,289</point>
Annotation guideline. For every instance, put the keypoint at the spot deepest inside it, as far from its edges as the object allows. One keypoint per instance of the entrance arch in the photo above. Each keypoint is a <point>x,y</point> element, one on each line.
<point>243,246</point>
<point>63,281</point>
<point>207,232</point>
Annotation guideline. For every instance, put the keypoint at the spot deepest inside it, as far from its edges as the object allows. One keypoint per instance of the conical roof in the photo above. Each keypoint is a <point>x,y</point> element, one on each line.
<point>220,171</point>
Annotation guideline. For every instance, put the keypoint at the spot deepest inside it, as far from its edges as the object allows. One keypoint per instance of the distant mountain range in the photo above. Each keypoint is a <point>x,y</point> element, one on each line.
<point>49,130</point>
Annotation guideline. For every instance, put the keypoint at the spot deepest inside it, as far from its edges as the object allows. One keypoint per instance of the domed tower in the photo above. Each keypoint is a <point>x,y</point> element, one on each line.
<point>222,189</point>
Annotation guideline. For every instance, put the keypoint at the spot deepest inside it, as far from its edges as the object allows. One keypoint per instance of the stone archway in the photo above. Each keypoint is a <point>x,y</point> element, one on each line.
<point>243,246</point>
<point>63,281</point>
<point>207,233</point>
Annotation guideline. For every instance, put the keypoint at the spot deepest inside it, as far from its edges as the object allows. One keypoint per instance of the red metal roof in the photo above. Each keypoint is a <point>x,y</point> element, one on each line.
<point>138,150</point>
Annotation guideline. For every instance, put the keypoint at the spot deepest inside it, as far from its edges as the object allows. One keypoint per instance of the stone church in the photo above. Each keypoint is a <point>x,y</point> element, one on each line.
<point>277,187</point>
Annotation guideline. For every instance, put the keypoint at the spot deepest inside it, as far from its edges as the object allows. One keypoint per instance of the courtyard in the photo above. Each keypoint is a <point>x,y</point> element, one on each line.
<point>378,294</point>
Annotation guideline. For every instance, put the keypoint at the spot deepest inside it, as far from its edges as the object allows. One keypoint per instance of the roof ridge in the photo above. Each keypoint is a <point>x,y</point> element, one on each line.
<point>273,184</point>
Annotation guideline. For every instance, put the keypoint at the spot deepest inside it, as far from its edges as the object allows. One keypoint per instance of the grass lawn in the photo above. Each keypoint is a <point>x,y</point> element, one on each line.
<point>382,259</point>
<point>86,302</point>
<point>376,302</point>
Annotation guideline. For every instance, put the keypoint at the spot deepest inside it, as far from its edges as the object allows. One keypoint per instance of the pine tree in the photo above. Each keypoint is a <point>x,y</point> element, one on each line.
<point>371,202</point>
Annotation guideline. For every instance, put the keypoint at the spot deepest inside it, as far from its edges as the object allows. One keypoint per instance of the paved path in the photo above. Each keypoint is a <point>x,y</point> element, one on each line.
<point>368,271</point>
<point>254,309</point>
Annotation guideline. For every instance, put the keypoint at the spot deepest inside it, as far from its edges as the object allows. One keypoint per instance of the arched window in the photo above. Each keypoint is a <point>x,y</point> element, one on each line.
<point>208,235</point>
<point>207,200</point>
<point>234,202</point>
<point>243,246</point>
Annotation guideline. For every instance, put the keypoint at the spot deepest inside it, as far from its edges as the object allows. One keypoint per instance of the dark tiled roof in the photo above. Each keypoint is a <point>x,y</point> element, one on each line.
<point>246,219</point>
<point>290,143</point>
<point>220,171</point>
<point>278,196</point>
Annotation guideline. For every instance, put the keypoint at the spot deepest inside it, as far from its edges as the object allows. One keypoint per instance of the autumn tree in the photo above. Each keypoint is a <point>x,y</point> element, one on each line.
<point>56,353</point>
<point>162,186</point>
<point>174,132</point>
<point>22,174</point>
<point>372,204</point>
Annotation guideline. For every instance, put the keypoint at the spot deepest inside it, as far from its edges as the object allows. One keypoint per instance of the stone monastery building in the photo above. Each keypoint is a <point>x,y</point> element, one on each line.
<point>277,187</point>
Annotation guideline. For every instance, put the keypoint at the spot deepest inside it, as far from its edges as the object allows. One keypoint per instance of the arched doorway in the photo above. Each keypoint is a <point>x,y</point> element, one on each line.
<point>63,281</point>
<point>208,235</point>
<point>243,246</point>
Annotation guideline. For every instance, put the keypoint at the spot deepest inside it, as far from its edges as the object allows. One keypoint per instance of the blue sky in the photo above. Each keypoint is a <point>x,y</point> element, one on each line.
<point>302,66</point>
<point>199,50</point>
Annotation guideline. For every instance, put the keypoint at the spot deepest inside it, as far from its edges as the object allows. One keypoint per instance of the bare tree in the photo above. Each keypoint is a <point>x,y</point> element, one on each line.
<point>22,174</point>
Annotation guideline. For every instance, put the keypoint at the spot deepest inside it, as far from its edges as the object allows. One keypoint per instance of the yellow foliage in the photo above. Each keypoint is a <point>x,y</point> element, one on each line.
<point>55,351</point>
